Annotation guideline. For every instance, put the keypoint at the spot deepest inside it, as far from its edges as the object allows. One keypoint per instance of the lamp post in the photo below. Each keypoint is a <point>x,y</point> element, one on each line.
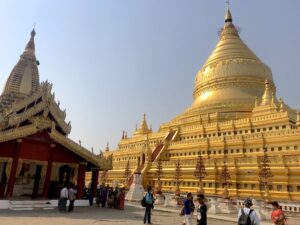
<point>225,178</point>
<point>200,173</point>
<point>177,176</point>
<point>158,174</point>
<point>265,174</point>
<point>127,174</point>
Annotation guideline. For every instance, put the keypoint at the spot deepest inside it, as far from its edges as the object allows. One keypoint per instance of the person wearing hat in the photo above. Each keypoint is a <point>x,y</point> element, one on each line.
<point>246,212</point>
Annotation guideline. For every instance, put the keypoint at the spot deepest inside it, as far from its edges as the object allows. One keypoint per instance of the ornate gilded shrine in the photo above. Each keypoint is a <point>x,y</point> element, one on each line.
<point>36,155</point>
<point>234,118</point>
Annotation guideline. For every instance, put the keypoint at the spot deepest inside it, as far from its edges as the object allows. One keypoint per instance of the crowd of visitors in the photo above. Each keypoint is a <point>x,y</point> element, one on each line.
<point>110,197</point>
<point>107,196</point>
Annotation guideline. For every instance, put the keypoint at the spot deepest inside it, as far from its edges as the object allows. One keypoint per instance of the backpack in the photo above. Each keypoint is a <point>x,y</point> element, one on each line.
<point>143,202</point>
<point>245,218</point>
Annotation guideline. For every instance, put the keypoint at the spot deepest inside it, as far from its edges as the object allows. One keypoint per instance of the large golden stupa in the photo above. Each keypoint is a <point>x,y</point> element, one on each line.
<point>237,126</point>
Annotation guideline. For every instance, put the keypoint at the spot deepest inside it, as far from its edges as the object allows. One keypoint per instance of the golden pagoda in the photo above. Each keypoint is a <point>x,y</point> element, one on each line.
<point>235,123</point>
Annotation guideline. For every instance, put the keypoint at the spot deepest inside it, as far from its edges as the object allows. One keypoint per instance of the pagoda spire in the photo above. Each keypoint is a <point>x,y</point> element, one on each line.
<point>267,97</point>
<point>144,126</point>
<point>30,44</point>
<point>228,16</point>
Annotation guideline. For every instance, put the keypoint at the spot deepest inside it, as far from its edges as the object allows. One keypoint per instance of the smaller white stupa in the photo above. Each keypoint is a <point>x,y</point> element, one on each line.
<point>136,190</point>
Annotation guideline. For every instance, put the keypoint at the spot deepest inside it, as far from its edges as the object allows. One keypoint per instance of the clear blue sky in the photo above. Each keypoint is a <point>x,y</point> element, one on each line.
<point>112,60</point>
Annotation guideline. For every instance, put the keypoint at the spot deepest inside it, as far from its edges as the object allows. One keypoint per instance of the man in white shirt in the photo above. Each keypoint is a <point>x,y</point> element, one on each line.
<point>247,209</point>
<point>63,198</point>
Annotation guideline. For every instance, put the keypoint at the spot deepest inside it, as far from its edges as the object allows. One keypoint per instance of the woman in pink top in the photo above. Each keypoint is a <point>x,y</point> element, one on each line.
<point>277,216</point>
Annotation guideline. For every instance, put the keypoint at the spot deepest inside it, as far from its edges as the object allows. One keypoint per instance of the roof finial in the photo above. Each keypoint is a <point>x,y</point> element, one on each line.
<point>228,17</point>
<point>30,45</point>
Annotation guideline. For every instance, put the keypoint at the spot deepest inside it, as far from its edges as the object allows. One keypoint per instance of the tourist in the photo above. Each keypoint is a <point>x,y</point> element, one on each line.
<point>71,194</point>
<point>246,213</point>
<point>63,198</point>
<point>149,205</point>
<point>110,199</point>
<point>98,195</point>
<point>201,211</point>
<point>122,199</point>
<point>277,216</point>
<point>91,197</point>
<point>188,208</point>
<point>103,195</point>
<point>116,198</point>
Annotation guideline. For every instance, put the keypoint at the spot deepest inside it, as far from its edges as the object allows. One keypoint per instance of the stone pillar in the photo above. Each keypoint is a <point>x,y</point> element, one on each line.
<point>81,180</point>
<point>48,173</point>
<point>13,171</point>
<point>95,174</point>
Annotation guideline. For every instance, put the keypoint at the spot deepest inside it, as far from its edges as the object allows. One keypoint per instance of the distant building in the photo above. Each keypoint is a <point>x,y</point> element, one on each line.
<point>234,120</point>
<point>36,155</point>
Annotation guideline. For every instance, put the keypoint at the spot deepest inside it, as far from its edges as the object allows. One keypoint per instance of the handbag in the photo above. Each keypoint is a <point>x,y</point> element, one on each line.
<point>181,212</point>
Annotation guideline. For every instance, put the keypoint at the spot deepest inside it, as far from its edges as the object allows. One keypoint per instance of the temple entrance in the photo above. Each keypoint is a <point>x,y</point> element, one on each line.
<point>28,180</point>
<point>63,174</point>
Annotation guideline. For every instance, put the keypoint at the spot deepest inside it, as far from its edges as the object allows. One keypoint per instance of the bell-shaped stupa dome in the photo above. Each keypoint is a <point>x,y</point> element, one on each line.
<point>232,77</point>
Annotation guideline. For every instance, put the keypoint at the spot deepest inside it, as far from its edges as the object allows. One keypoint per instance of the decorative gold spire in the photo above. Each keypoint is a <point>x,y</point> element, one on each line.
<point>267,97</point>
<point>143,129</point>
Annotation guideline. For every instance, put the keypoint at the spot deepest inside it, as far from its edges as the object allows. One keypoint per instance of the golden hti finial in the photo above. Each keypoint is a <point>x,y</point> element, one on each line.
<point>228,16</point>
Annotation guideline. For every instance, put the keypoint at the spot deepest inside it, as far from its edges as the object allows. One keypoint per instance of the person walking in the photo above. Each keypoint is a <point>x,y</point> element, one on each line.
<point>63,198</point>
<point>103,195</point>
<point>122,199</point>
<point>188,208</point>
<point>201,211</point>
<point>149,205</point>
<point>71,194</point>
<point>246,215</point>
<point>277,216</point>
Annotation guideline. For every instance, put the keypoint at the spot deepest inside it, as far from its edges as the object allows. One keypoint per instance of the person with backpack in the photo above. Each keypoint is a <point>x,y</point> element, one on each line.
<point>201,211</point>
<point>248,216</point>
<point>148,198</point>
<point>277,216</point>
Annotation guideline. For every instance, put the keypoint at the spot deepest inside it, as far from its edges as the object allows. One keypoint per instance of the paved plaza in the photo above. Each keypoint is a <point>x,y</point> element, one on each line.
<point>92,216</point>
<point>96,216</point>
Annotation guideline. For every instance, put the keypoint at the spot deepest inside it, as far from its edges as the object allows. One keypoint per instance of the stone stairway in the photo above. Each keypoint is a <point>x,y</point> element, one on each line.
<point>31,205</point>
